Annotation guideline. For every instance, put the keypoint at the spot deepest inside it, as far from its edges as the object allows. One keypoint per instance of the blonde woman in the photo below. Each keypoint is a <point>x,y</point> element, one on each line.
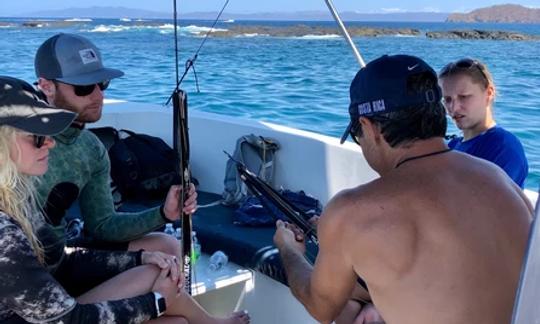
<point>468,95</point>
<point>137,287</point>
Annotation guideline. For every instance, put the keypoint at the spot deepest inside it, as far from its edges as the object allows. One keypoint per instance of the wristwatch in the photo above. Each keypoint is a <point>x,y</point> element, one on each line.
<point>161,306</point>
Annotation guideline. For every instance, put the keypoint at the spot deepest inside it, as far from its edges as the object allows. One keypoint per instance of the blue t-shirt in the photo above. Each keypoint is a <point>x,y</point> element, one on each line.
<point>499,146</point>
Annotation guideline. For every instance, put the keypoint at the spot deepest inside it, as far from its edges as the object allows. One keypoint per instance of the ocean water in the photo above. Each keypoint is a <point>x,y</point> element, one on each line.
<point>296,81</point>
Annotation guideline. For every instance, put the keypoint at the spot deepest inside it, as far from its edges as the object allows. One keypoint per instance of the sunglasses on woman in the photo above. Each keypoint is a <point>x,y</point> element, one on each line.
<point>39,140</point>
<point>463,64</point>
<point>85,90</point>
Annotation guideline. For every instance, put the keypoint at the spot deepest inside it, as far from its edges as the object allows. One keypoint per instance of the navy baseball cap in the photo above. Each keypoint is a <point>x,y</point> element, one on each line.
<point>21,107</point>
<point>72,59</point>
<point>381,87</point>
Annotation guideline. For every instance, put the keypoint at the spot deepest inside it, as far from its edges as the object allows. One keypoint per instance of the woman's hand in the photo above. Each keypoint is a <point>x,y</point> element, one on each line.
<point>164,262</point>
<point>167,287</point>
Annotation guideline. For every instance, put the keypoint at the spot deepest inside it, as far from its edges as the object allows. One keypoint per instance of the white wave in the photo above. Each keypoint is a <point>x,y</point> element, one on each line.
<point>125,19</point>
<point>405,36</point>
<point>121,28</point>
<point>316,37</point>
<point>229,21</point>
<point>166,26</point>
<point>78,19</point>
<point>109,29</point>
<point>163,29</point>
<point>193,29</point>
<point>252,35</point>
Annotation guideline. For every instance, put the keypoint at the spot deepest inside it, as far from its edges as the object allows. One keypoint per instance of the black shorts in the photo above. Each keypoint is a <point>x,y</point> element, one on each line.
<point>79,273</point>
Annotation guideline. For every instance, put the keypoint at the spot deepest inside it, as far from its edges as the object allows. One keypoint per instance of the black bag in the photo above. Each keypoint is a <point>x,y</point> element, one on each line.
<point>142,166</point>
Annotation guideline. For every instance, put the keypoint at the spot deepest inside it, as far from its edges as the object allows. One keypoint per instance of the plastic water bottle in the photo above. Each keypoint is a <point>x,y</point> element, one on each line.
<point>169,229</point>
<point>196,247</point>
<point>218,260</point>
<point>178,233</point>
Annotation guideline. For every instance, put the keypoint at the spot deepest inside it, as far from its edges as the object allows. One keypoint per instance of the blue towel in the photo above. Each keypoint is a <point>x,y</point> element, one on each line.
<point>256,213</point>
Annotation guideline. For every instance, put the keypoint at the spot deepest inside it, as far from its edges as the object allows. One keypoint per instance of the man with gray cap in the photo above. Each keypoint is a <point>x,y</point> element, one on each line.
<point>71,74</point>
<point>439,237</point>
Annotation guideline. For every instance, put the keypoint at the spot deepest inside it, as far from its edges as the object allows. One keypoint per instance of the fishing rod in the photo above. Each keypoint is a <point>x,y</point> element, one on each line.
<point>190,63</point>
<point>181,146</point>
<point>345,33</point>
<point>263,190</point>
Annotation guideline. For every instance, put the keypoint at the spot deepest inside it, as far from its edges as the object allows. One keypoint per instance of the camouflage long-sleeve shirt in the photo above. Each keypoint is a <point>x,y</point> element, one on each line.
<point>29,293</point>
<point>81,160</point>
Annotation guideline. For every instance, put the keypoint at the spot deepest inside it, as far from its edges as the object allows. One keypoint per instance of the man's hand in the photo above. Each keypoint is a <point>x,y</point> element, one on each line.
<point>314,221</point>
<point>164,262</point>
<point>289,235</point>
<point>171,206</point>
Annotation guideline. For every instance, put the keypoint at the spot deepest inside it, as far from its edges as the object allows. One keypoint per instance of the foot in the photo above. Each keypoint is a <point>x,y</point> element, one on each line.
<point>240,317</point>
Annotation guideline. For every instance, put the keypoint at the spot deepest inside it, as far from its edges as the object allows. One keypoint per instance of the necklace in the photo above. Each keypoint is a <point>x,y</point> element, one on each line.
<point>421,156</point>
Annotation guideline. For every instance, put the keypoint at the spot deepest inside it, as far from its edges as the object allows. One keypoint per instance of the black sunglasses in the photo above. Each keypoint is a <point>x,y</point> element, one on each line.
<point>463,64</point>
<point>39,140</point>
<point>85,90</point>
<point>356,129</point>
<point>356,132</point>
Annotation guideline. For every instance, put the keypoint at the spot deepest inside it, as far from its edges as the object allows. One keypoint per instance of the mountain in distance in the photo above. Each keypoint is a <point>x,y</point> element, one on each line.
<point>122,12</point>
<point>325,16</point>
<point>97,12</point>
<point>508,13</point>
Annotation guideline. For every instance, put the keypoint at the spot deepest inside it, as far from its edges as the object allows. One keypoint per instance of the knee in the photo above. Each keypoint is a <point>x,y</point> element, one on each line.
<point>168,244</point>
<point>171,245</point>
<point>157,242</point>
<point>181,320</point>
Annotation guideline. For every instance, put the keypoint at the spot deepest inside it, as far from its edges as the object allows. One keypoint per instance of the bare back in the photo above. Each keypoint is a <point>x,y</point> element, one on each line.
<point>439,240</point>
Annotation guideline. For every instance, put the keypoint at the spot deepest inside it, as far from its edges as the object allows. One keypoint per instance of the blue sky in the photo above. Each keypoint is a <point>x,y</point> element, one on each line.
<point>250,6</point>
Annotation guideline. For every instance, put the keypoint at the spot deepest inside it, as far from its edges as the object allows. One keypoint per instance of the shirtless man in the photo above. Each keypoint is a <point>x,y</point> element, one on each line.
<point>438,238</point>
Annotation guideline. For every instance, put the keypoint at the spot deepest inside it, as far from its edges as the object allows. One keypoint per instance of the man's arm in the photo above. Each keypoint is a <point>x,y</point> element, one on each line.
<point>100,218</point>
<point>324,288</point>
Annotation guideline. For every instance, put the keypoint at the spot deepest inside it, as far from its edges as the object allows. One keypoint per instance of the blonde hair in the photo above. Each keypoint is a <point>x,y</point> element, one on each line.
<point>476,70</point>
<point>17,192</point>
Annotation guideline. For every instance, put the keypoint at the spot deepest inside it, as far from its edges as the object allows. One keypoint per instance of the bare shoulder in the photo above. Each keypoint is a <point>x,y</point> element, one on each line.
<point>360,204</point>
<point>368,218</point>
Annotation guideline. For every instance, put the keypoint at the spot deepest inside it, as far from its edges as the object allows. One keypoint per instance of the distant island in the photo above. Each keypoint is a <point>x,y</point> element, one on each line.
<point>508,13</point>
<point>122,12</point>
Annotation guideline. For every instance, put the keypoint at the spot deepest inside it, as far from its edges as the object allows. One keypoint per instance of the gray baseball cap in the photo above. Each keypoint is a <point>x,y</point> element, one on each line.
<point>72,59</point>
<point>21,107</point>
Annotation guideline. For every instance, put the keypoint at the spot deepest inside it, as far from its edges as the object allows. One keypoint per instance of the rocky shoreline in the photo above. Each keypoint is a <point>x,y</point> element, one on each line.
<point>475,34</point>
<point>305,30</point>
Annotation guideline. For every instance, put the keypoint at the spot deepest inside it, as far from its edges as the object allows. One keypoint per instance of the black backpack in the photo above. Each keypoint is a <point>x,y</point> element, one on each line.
<point>142,166</point>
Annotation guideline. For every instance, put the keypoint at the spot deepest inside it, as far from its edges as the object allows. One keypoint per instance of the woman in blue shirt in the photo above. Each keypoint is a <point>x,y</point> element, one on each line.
<point>468,95</point>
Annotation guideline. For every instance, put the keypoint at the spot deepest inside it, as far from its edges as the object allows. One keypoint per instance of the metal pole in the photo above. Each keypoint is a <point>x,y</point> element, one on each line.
<point>345,32</point>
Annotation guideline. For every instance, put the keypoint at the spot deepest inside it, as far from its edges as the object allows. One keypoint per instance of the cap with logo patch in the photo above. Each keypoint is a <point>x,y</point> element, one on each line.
<point>21,107</point>
<point>72,59</point>
<point>381,87</point>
